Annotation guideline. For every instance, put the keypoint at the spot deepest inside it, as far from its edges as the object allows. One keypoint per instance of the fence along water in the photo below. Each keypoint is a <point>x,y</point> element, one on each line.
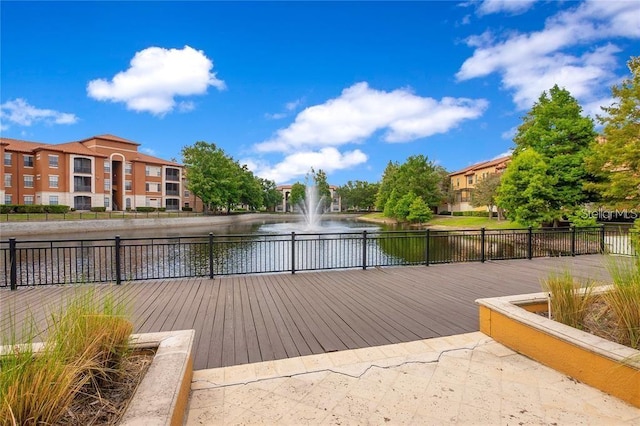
<point>29,263</point>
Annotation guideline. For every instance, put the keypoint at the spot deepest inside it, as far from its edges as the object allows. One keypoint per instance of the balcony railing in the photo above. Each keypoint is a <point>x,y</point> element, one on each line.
<point>83,170</point>
<point>82,188</point>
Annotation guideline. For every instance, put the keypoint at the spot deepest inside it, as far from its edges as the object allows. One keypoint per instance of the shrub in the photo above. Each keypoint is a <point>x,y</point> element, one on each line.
<point>162,209</point>
<point>624,299</point>
<point>145,209</point>
<point>98,209</point>
<point>187,209</point>
<point>59,208</point>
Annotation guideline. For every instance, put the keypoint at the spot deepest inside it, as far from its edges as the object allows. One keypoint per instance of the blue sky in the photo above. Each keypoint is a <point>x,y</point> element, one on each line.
<point>285,86</point>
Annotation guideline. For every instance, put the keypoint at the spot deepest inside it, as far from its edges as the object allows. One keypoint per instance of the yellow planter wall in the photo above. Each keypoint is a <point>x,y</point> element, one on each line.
<point>608,375</point>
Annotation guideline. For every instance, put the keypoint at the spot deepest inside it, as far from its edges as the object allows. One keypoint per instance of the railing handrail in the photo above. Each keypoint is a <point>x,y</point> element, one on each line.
<point>129,258</point>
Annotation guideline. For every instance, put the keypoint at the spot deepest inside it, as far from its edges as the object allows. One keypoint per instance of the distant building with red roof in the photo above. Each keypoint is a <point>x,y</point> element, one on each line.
<point>464,181</point>
<point>101,171</point>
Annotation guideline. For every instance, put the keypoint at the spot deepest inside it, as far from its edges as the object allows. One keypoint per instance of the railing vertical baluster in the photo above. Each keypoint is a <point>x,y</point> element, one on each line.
<point>364,249</point>
<point>426,247</point>
<point>211,255</point>
<point>530,243</point>
<point>482,242</point>
<point>573,240</point>
<point>13,262</point>
<point>118,261</point>
<point>293,252</point>
<point>602,236</point>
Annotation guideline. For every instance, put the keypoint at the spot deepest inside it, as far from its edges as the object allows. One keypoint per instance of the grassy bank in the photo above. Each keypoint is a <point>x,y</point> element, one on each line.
<point>457,222</point>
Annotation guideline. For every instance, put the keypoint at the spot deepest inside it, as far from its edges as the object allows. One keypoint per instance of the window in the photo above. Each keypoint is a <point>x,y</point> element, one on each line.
<point>28,200</point>
<point>7,199</point>
<point>82,184</point>
<point>107,166</point>
<point>127,168</point>
<point>28,181</point>
<point>173,204</point>
<point>152,187</point>
<point>7,180</point>
<point>106,201</point>
<point>53,161</point>
<point>153,171</point>
<point>458,182</point>
<point>172,174</point>
<point>53,181</point>
<point>107,184</point>
<point>127,185</point>
<point>187,194</point>
<point>7,158</point>
<point>128,203</point>
<point>82,165</point>
<point>172,189</point>
<point>28,160</point>
<point>53,200</point>
<point>82,202</point>
<point>470,180</point>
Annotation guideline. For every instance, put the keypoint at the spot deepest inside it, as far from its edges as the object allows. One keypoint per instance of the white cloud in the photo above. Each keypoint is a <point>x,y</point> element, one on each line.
<point>18,111</point>
<point>275,116</point>
<point>156,77</point>
<point>360,111</point>
<point>148,151</point>
<point>533,62</point>
<point>298,164</point>
<point>513,7</point>
<point>289,107</point>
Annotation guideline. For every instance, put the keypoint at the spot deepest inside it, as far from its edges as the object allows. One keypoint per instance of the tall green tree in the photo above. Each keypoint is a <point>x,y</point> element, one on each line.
<point>322,187</point>
<point>616,156</point>
<point>526,191</point>
<point>271,197</point>
<point>298,194</point>
<point>422,177</point>
<point>211,174</point>
<point>387,185</point>
<point>250,189</point>
<point>403,206</point>
<point>486,191</point>
<point>358,195</point>
<point>557,131</point>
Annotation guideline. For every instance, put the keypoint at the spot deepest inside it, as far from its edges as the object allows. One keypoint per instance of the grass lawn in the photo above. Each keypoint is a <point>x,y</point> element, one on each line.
<point>472,222</point>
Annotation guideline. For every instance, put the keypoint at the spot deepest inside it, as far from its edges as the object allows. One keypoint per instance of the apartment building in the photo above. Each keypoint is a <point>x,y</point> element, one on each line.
<point>464,181</point>
<point>285,206</point>
<point>101,171</point>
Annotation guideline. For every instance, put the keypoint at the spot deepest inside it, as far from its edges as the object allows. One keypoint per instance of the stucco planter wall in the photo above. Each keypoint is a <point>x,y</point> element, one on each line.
<point>605,365</point>
<point>162,396</point>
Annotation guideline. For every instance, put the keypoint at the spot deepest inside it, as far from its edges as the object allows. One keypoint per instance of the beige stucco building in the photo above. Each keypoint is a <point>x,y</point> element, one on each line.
<point>464,181</point>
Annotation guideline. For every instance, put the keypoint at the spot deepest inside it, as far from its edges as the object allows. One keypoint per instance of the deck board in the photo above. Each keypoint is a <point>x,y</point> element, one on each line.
<point>241,319</point>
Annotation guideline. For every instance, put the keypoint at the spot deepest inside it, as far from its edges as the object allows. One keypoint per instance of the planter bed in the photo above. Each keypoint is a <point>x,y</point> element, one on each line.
<point>605,365</point>
<point>162,395</point>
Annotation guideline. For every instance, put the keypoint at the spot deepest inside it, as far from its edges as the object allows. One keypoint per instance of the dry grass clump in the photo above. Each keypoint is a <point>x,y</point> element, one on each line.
<point>614,313</point>
<point>569,299</point>
<point>85,342</point>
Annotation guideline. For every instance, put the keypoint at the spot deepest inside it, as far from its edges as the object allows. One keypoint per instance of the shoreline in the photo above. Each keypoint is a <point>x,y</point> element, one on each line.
<point>19,229</point>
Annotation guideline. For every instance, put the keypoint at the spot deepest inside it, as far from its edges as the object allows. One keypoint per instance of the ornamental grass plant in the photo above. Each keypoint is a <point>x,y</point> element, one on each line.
<point>569,299</point>
<point>85,340</point>
<point>624,299</point>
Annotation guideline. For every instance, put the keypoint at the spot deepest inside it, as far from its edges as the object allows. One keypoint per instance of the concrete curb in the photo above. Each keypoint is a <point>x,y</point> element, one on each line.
<point>163,394</point>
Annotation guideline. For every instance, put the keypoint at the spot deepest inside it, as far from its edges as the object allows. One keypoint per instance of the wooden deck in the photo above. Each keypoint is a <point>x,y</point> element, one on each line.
<point>242,319</point>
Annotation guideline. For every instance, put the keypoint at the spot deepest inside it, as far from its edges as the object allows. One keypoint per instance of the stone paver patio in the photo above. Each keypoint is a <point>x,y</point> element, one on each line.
<point>461,379</point>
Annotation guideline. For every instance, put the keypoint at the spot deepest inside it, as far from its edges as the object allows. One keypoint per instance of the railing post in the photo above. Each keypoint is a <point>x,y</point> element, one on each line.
<point>530,244</point>
<point>426,247</point>
<point>13,263</point>
<point>118,261</point>
<point>602,245</point>
<point>482,242</point>
<point>364,249</point>
<point>293,252</point>
<point>211,255</point>
<point>573,240</point>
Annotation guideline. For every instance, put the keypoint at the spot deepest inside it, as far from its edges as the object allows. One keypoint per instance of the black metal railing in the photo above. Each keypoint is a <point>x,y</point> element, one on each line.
<point>30,263</point>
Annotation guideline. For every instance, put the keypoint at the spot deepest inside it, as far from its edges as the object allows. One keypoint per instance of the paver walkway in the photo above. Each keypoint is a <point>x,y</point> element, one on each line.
<point>462,379</point>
